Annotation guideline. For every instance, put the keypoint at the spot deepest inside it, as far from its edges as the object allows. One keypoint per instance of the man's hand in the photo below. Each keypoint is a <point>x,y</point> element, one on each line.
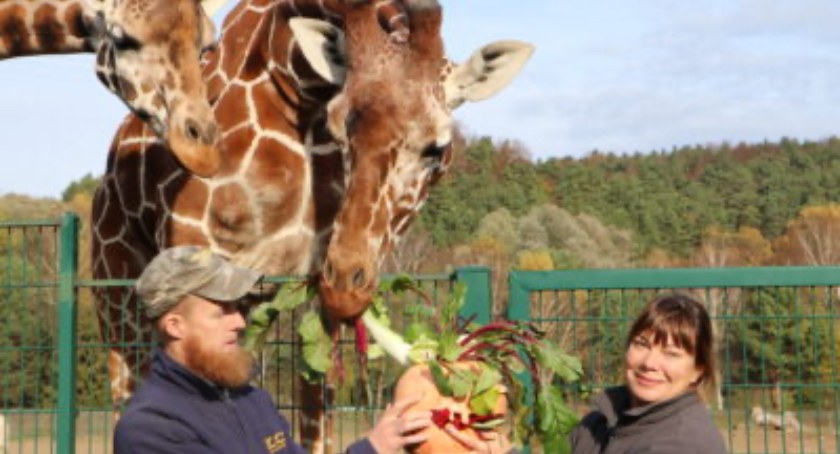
<point>398,428</point>
<point>491,442</point>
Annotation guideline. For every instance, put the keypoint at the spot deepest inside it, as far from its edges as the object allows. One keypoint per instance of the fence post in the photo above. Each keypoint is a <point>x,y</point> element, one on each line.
<point>479,298</point>
<point>67,275</point>
<point>519,299</point>
<point>519,310</point>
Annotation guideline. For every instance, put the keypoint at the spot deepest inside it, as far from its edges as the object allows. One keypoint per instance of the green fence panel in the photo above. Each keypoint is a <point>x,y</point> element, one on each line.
<point>28,343</point>
<point>777,341</point>
<point>479,297</point>
<point>779,332</point>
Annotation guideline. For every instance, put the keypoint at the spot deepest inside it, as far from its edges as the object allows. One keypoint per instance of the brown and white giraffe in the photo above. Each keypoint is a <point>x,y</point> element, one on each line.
<point>148,54</point>
<point>333,128</point>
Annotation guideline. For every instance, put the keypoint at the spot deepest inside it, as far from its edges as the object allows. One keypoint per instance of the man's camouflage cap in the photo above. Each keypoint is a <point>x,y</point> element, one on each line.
<point>191,270</point>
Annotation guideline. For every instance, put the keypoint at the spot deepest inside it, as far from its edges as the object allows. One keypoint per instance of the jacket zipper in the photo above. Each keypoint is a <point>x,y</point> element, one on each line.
<point>610,435</point>
<point>232,409</point>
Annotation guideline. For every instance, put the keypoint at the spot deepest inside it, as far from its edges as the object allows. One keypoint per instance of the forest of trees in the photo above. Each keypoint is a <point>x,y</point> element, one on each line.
<point>723,205</point>
<point>759,204</point>
<point>727,205</point>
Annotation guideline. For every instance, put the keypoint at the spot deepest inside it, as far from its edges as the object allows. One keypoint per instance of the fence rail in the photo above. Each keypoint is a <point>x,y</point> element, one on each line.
<point>778,348</point>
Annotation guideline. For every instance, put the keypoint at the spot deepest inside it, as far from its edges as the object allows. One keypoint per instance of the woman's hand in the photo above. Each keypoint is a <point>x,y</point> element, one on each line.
<point>398,428</point>
<point>491,442</point>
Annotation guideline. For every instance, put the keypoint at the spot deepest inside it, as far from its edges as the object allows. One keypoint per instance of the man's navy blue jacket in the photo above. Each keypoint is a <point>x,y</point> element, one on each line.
<point>176,411</point>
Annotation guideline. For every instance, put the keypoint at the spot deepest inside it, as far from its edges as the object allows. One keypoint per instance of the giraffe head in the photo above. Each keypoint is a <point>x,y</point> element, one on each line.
<point>393,119</point>
<point>148,54</point>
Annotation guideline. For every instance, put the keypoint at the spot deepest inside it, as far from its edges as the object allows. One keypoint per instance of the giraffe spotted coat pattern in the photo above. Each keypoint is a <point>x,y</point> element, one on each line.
<point>334,121</point>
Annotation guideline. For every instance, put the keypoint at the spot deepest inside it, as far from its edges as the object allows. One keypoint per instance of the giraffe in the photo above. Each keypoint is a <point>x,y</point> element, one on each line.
<point>334,117</point>
<point>147,54</point>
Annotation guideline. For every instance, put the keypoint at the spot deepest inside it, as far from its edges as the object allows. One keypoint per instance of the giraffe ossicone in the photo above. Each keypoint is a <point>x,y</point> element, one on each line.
<point>148,54</point>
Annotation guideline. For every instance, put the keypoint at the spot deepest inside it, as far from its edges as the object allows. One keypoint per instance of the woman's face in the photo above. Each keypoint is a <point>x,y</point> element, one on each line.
<point>656,373</point>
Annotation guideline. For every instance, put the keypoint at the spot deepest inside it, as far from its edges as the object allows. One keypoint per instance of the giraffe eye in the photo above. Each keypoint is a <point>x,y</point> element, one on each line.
<point>434,151</point>
<point>121,40</point>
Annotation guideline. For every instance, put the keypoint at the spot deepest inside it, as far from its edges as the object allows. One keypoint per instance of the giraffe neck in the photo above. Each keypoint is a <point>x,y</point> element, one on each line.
<point>37,27</point>
<point>279,105</point>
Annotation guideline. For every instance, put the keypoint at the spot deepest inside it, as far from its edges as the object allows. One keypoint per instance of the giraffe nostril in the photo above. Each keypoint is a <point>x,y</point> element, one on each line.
<point>359,278</point>
<point>192,130</point>
<point>329,276</point>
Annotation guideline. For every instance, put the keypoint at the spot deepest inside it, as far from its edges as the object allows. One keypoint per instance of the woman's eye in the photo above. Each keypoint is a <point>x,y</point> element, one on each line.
<point>640,342</point>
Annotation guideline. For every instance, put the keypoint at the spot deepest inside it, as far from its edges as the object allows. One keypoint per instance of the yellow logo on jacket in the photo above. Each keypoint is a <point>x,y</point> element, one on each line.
<point>276,442</point>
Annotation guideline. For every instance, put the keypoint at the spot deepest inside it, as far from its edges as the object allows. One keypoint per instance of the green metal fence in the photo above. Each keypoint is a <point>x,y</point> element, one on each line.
<point>778,349</point>
<point>54,388</point>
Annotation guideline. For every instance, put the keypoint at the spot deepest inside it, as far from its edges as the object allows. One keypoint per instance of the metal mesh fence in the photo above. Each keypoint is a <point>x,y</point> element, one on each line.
<point>28,342</point>
<point>777,346</point>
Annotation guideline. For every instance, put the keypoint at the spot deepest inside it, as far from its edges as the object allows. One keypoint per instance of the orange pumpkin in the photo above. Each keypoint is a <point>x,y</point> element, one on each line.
<point>418,381</point>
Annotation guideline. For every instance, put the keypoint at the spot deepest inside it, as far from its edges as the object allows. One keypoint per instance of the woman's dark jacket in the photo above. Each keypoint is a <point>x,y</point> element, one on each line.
<point>681,425</point>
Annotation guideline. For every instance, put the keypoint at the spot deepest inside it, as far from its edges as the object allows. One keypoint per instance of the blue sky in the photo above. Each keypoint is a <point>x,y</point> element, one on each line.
<point>621,76</point>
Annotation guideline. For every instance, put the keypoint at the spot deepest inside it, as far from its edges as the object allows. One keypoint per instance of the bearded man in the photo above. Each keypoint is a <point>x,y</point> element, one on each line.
<point>197,398</point>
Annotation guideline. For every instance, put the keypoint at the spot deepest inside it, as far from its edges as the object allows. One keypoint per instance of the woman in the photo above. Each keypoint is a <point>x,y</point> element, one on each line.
<point>668,357</point>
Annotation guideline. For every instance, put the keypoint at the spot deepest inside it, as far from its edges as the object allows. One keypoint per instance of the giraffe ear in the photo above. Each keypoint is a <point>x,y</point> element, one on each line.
<point>212,7</point>
<point>488,71</point>
<point>322,44</point>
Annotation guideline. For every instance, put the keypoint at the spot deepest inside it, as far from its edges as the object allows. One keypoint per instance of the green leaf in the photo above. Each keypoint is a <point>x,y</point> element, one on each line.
<point>552,413</point>
<point>401,283</point>
<point>441,381</point>
<point>521,425</point>
<point>461,381</point>
<point>484,403</point>
<point>488,379</point>
<point>453,304</point>
<point>290,297</point>
<point>423,350</point>
<point>417,330</point>
<point>488,425</point>
<point>375,351</point>
<point>259,320</point>
<point>556,443</point>
<point>449,349</point>
<point>378,307</point>
<point>317,347</point>
<point>550,356</point>
<point>262,316</point>
<point>515,365</point>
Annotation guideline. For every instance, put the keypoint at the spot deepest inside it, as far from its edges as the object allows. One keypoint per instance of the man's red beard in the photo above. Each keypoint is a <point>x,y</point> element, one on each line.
<point>229,369</point>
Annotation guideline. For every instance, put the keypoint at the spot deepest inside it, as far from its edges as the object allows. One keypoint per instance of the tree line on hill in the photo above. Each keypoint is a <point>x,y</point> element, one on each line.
<point>718,205</point>
<point>725,205</point>
<point>747,204</point>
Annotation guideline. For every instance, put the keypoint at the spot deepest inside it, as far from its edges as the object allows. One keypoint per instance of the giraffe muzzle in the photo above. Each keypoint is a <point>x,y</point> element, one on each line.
<point>204,135</point>
<point>345,295</point>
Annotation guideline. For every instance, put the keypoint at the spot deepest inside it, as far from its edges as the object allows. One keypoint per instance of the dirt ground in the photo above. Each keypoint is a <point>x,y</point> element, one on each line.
<point>759,440</point>
<point>741,440</point>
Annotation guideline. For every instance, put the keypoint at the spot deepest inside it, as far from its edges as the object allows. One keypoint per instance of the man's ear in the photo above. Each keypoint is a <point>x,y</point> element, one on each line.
<point>172,325</point>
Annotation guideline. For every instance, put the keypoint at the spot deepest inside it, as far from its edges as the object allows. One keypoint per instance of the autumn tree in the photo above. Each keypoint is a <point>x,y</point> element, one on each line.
<point>812,238</point>
<point>744,247</point>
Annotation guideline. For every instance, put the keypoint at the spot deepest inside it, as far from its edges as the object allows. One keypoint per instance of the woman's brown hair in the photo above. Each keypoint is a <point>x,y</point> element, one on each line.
<point>687,323</point>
